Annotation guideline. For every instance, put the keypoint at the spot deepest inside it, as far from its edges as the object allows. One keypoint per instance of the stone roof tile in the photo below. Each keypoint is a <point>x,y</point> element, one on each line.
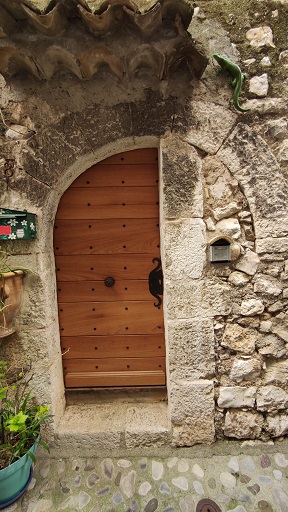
<point>98,7</point>
<point>80,36</point>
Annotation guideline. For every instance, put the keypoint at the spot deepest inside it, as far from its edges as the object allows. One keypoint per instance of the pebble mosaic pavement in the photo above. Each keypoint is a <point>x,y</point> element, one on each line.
<point>241,483</point>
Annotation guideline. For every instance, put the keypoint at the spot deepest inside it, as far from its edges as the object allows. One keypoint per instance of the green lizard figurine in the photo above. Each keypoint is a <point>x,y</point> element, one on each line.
<point>238,78</point>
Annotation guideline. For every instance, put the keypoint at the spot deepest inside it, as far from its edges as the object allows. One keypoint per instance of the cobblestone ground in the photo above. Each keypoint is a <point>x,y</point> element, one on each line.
<point>241,483</point>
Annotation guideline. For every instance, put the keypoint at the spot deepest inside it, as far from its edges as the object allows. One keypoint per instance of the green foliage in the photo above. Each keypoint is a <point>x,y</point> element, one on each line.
<point>20,417</point>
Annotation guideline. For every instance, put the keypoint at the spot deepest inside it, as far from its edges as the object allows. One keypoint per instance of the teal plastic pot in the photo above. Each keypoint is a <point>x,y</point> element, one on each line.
<point>15,478</point>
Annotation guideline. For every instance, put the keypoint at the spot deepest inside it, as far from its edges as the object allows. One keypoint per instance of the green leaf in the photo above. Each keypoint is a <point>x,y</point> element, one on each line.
<point>32,456</point>
<point>42,411</point>
<point>16,423</point>
<point>3,392</point>
<point>41,443</point>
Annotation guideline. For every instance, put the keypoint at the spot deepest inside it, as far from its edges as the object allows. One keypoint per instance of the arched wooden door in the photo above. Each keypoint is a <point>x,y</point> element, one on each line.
<point>106,238</point>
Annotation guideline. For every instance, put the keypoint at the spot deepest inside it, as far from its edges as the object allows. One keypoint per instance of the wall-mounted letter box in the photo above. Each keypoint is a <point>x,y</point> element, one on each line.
<point>17,225</point>
<point>220,251</point>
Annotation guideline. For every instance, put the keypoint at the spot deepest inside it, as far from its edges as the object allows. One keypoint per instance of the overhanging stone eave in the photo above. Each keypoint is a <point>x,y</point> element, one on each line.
<point>125,51</point>
<point>52,18</point>
<point>85,65</point>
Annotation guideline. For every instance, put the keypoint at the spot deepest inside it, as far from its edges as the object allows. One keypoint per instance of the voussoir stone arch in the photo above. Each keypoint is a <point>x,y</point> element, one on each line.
<point>58,155</point>
<point>252,163</point>
<point>59,146</point>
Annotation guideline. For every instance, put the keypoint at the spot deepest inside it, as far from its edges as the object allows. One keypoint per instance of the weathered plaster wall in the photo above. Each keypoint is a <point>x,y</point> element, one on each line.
<point>222,174</point>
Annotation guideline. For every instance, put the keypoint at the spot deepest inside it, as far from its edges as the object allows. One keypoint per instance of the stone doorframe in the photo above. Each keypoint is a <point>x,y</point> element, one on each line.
<point>188,330</point>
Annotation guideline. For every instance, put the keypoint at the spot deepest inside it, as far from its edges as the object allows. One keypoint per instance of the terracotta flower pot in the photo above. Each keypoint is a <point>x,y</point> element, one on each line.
<point>12,282</point>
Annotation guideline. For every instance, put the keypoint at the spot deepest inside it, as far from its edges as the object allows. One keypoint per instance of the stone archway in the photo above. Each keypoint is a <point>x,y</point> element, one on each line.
<point>175,154</point>
<point>190,386</point>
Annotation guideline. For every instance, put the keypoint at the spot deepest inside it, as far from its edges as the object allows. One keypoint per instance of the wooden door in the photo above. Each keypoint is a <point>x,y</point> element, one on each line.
<point>107,226</point>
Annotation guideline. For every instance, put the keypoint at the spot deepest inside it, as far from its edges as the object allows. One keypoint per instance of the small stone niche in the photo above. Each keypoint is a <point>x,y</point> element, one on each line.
<point>220,251</point>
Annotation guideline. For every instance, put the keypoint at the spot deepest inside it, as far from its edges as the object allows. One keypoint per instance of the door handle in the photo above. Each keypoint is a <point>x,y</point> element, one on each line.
<point>109,281</point>
<point>156,282</point>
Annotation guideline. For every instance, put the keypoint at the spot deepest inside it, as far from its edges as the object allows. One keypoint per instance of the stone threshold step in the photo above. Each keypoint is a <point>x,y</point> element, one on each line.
<point>112,426</point>
<point>108,395</point>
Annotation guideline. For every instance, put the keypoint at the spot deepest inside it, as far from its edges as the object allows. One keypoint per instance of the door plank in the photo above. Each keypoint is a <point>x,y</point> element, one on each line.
<point>115,379</point>
<point>132,211</point>
<point>120,364</point>
<point>109,203</point>
<point>97,291</point>
<point>100,175</point>
<point>97,267</point>
<point>106,236</point>
<point>80,197</point>
<point>87,318</point>
<point>141,156</point>
<point>116,346</point>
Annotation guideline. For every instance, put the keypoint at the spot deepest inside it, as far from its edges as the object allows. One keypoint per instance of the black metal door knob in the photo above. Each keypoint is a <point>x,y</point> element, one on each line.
<point>109,281</point>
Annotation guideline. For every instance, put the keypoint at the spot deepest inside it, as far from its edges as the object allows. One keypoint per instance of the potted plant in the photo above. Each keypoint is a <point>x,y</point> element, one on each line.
<point>10,294</point>
<point>20,424</point>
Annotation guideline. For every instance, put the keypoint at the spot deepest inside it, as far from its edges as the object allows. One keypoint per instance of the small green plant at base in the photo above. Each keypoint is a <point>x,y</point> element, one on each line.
<point>20,418</point>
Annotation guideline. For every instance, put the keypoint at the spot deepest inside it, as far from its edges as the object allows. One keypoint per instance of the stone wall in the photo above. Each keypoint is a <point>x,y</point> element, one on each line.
<point>223,175</point>
<point>251,337</point>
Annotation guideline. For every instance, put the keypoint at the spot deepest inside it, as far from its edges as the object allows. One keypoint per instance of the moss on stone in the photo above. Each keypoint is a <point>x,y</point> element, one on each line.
<point>232,504</point>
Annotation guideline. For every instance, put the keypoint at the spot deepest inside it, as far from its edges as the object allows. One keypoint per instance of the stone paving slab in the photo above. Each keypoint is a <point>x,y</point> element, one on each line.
<point>238,483</point>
